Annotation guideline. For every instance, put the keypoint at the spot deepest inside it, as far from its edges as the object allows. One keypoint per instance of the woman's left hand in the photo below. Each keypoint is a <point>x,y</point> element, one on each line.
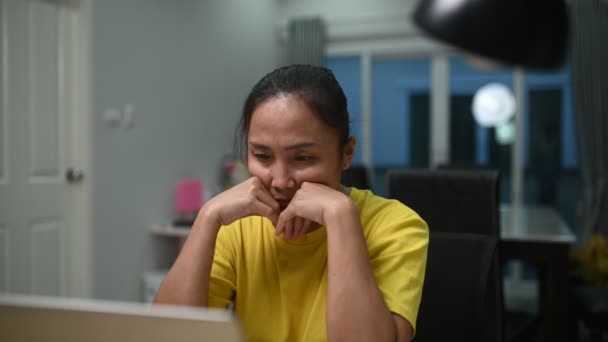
<point>316,203</point>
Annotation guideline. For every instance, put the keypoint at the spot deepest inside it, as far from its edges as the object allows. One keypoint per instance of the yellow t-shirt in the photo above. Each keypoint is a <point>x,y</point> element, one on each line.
<point>279,287</point>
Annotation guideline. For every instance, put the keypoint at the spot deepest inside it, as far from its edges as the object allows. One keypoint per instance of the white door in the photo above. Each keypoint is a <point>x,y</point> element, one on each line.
<point>41,223</point>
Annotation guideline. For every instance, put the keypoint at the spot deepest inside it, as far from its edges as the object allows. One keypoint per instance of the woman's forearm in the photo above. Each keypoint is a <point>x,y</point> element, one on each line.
<point>356,309</point>
<point>187,283</point>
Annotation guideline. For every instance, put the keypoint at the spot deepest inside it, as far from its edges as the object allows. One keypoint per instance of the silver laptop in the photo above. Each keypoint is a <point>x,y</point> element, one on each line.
<point>53,319</point>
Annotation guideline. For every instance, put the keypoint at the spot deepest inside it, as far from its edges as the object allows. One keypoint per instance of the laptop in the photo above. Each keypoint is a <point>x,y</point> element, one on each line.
<point>54,319</point>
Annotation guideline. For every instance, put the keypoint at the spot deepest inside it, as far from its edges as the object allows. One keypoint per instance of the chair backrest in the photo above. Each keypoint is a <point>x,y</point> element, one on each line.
<point>462,201</point>
<point>460,277</point>
<point>458,202</point>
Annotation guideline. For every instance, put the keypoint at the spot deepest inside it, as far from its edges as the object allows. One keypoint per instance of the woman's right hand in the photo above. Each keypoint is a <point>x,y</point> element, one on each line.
<point>188,280</point>
<point>245,199</point>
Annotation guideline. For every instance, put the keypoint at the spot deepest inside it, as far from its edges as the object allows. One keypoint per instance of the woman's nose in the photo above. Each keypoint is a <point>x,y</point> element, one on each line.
<point>281,177</point>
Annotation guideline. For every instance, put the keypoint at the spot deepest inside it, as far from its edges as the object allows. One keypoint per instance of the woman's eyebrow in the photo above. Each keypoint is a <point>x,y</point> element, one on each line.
<point>290,147</point>
<point>259,146</point>
<point>301,146</point>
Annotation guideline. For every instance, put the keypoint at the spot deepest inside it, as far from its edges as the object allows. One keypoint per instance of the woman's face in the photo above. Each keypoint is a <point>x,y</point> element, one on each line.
<point>288,145</point>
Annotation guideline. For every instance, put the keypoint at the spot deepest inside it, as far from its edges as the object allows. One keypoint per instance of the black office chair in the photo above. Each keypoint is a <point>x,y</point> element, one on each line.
<point>463,166</point>
<point>459,202</point>
<point>457,286</point>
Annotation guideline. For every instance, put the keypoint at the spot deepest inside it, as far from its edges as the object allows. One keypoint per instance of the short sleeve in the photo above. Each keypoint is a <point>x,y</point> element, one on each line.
<point>398,252</point>
<point>222,282</point>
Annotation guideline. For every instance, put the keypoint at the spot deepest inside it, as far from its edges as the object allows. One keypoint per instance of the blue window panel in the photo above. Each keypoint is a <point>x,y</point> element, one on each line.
<point>393,82</point>
<point>465,78</point>
<point>570,158</point>
<point>482,138</point>
<point>348,73</point>
<point>569,137</point>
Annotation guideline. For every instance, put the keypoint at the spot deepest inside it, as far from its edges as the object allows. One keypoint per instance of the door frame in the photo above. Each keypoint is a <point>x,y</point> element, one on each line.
<point>80,253</point>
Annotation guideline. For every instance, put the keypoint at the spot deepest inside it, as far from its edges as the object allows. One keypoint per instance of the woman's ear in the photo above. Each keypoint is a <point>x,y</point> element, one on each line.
<point>348,152</point>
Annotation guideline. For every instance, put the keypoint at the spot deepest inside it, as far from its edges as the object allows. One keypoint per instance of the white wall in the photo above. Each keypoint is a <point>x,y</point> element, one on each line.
<point>342,9</point>
<point>186,66</point>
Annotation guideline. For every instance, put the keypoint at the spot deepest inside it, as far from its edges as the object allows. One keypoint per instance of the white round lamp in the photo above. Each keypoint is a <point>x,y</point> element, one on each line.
<point>493,105</point>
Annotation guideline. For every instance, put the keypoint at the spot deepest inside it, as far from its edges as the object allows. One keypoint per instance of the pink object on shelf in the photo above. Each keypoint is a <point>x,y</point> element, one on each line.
<point>188,196</point>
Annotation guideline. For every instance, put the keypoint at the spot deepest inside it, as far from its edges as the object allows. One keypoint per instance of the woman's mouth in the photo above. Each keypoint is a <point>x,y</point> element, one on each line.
<point>283,203</point>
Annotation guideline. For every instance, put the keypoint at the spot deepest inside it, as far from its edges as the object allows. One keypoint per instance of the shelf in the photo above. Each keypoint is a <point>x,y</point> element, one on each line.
<point>170,231</point>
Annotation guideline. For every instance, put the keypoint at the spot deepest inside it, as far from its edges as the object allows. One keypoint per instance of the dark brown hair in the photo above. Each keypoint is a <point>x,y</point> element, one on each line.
<point>315,85</point>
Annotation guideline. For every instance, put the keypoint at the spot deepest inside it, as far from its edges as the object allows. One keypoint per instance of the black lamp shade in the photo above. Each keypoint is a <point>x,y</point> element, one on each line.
<point>529,33</point>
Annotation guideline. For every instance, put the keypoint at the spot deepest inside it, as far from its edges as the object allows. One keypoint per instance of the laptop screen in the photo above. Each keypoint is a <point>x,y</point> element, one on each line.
<point>37,318</point>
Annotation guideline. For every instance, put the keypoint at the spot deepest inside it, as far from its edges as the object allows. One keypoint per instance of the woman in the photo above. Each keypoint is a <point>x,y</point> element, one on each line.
<point>302,257</point>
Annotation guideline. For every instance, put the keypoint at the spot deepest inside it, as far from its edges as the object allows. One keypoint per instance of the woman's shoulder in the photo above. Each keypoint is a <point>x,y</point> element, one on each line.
<point>382,217</point>
<point>370,204</point>
<point>390,227</point>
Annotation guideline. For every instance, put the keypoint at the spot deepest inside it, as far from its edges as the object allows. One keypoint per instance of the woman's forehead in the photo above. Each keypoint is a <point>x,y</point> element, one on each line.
<point>285,113</point>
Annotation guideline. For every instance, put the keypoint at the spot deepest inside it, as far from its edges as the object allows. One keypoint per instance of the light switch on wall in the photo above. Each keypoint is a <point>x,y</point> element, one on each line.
<point>112,117</point>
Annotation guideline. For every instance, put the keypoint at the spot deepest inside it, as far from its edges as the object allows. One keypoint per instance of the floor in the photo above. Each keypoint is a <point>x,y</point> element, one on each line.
<point>521,316</point>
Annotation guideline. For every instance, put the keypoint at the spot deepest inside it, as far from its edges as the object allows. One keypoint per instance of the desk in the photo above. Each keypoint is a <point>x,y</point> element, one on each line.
<point>538,235</point>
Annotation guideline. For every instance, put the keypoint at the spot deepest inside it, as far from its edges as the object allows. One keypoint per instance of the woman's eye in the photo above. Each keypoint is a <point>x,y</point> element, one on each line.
<point>261,156</point>
<point>303,158</point>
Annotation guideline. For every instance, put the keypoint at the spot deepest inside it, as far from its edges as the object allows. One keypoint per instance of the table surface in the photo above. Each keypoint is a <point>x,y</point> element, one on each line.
<point>534,223</point>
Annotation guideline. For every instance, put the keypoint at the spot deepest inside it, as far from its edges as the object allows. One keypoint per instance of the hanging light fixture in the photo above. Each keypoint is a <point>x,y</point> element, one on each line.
<point>528,33</point>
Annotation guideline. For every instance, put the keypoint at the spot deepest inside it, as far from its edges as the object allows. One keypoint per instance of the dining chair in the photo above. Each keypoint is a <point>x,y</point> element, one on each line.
<point>457,288</point>
<point>459,202</point>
